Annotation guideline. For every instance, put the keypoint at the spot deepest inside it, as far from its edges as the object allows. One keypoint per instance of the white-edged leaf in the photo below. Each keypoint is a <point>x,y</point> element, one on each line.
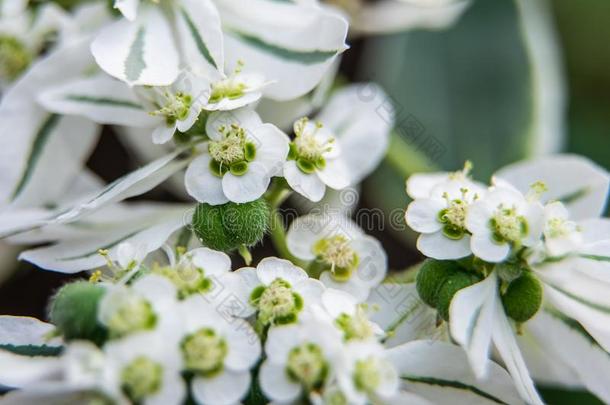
<point>284,41</point>
<point>506,344</point>
<point>563,339</point>
<point>200,32</point>
<point>130,185</point>
<point>80,252</point>
<point>398,310</point>
<point>25,331</point>
<point>471,313</point>
<point>100,98</point>
<point>17,371</point>
<point>28,133</point>
<point>141,52</point>
<point>437,371</point>
<point>574,180</point>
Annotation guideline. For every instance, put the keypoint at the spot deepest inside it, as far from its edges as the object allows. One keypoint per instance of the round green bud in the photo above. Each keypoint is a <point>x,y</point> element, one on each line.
<point>227,227</point>
<point>73,311</point>
<point>450,287</point>
<point>523,298</point>
<point>431,277</point>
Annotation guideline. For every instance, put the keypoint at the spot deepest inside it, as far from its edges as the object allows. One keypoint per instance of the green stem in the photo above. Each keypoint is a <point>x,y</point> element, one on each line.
<point>405,159</point>
<point>245,254</point>
<point>278,237</point>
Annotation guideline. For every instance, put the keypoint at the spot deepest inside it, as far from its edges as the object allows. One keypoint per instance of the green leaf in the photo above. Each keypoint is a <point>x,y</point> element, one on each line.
<point>33,350</point>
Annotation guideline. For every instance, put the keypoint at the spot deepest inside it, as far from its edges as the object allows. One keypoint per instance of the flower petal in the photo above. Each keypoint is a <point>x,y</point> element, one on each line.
<point>488,250</point>
<point>422,215</point>
<point>438,246</point>
<point>275,383</point>
<point>248,186</point>
<point>201,184</point>
<point>271,268</point>
<point>308,185</point>
<point>227,388</point>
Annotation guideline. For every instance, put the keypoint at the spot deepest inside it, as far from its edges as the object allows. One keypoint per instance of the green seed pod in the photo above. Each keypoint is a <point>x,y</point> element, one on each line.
<point>432,276</point>
<point>73,311</point>
<point>523,298</point>
<point>452,285</point>
<point>227,227</point>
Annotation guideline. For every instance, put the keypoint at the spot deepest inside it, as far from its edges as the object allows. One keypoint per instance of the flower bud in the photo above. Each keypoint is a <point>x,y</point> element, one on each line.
<point>452,285</point>
<point>431,277</point>
<point>523,298</point>
<point>227,227</point>
<point>73,311</point>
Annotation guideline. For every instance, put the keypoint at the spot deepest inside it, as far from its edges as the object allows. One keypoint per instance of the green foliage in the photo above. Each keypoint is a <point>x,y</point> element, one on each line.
<point>431,277</point>
<point>523,298</point>
<point>450,287</point>
<point>73,311</point>
<point>227,227</point>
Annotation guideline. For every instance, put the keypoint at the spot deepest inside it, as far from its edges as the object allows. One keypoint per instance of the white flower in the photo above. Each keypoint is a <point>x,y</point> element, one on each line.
<point>365,374</point>
<point>440,216</point>
<point>278,291</point>
<point>145,305</point>
<point>503,219</point>
<point>218,351</point>
<point>315,161</point>
<point>345,257</point>
<point>242,156</point>
<point>350,317</point>
<point>146,368</point>
<point>561,235</point>
<point>300,358</point>
<point>235,91</point>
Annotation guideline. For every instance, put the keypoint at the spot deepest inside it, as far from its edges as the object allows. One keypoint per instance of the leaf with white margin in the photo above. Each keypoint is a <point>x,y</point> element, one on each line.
<point>142,52</point>
<point>76,254</point>
<point>435,370</point>
<point>28,133</point>
<point>576,181</point>
<point>284,41</point>
<point>52,394</point>
<point>28,336</point>
<point>506,344</point>
<point>563,339</point>
<point>390,16</point>
<point>471,318</point>
<point>361,116</point>
<point>17,371</point>
<point>132,184</point>
<point>398,310</point>
<point>201,35</point>
<point>100,98</point>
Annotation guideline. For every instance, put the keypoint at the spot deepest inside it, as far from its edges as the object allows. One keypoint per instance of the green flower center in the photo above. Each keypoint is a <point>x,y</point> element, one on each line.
<point>176,108</point>
<point>141,378</point>
<point>277,303</point>
<point>336,252</point>
<point>306,365</point>
<point>231,153</point>
<point>560,227</point>
<point>188,279</point>
<point>14,58</point>
<point>134,314</point>
<point>508,226</point>
<point>230,88</point>
<point>306,149</point>
<point>356,327</point>
<point>367,377</point>
<point>204,352</point>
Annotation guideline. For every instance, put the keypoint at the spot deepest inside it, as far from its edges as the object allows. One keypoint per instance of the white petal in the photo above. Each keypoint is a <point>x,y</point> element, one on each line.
<point>422,215</point>
<point>244,117</point>
<point>310,290</point>
<point>247,187</point>
<point>471,313</point>
<point>303,233</point>
<point>275,383</point>
<point>359,290</point>
<point>335,174</point>
<point>272,268</point>
<point>201,184</point>
<point>421,184</point>
<point>213,262</point>
<point>244,346</point>
<point>438,246</point>
<point>373,264</point>
<point>280,340</point>
<point>337,302</point>
<point>129,8</point>
<point>139,52</point>
<point>485,248</point>
<point>173,390</point>
<point>534,215</point>
<point>308,185</point>
<point>17,371</point>
<point>163,133</point>
<point>477,218</point>
<point>23,330</point>
<point>271,147</point>
<point>226,388</point>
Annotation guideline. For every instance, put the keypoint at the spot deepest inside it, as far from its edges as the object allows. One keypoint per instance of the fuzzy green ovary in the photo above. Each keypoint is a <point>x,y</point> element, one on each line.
<point>228,88</point>
<point>337,253</point>
<point>276,303</point>
<point>356,327</point>
<point>233,152</point>
<point>134,315</point>
<point>367,377</point>
<point>188,280</point>
<point>508,226</point>
<point>141,378</point>
<point>306,365</point>
<point>176,108</point>
<point>14,58</point>
<point>204,352</point>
